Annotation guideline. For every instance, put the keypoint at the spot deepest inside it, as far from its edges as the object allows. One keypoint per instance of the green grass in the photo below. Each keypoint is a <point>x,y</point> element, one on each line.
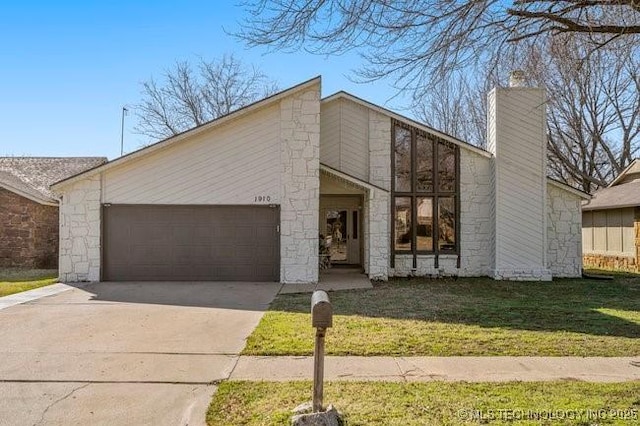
<point>16,280</point>
<point>465,317</point>
<point>436,403</point>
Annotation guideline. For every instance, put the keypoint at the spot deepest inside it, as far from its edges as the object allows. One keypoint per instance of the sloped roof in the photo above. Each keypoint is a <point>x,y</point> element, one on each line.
<point>187,133</point>
<point>619,196</point>
<point>630,172</point>
<point>31,176</point>
<point>623,192</point>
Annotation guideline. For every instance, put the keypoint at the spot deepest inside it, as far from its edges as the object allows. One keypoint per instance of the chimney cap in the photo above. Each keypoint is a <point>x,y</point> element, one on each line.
<point>517,78</point>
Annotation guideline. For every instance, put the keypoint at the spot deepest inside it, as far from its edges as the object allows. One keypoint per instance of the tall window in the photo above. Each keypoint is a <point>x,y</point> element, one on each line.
<point>425,191</point>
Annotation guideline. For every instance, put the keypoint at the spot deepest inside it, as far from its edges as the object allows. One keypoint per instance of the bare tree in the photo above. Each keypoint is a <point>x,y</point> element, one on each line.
<point>445,54</point>
<point>422,42</point>
<point>188,96</point>
<point>593,109</point>
<point>593,106</point>
<point>458,108</point>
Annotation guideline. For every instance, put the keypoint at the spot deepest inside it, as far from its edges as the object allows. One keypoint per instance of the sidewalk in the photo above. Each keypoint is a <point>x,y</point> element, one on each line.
<point>425,369</point>
<point>35,294</point>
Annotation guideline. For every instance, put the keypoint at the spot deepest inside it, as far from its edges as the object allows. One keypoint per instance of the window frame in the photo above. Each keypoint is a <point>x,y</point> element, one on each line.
<point>414,194</point>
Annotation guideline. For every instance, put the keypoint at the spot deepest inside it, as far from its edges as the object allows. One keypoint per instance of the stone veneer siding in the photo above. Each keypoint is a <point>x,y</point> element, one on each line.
<point>378,201</point>
<point>616,263</point>
<point>28,232</point>
<point>564,233</point>
<point>80,231</point>
<point>476,232</point>
<point>300,178</point>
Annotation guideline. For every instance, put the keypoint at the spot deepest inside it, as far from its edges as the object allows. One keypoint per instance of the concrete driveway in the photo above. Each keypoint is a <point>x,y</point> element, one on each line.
<point>124,353</point>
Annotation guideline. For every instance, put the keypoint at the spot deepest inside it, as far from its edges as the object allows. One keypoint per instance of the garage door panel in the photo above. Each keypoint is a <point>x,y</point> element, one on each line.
<point>150,254</point>
<point>191,243</point>
<point>182,234</point>
<point>149,233</point>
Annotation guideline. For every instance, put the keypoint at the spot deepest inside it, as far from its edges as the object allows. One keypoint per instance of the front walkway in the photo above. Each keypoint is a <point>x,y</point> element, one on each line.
<point>333,279</point>
<point>35,294</point>
<point>425,369</point>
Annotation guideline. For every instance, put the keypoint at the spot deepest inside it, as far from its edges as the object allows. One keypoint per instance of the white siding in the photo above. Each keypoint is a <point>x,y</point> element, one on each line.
<point>344,137</point>
<point>330,134</point>
<point>518,143</point>
<point>232,164</point>
<point>354,147</point>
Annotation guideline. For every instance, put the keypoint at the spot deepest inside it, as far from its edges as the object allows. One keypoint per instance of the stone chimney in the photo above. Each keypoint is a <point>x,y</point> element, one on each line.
<point>516,136</point>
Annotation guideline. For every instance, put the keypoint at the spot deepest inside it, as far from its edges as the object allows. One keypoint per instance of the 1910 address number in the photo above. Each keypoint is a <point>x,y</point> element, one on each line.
<point>262,198</point>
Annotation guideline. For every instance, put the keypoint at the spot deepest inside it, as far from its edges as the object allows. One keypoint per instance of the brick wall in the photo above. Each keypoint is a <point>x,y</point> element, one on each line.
<point>28,232</point>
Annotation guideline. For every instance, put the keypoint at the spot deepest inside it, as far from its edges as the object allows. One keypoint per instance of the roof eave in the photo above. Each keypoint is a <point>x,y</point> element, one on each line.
<point>622,174</point>
<point>352,179</point>
<point>587,207</point>
<point>40,200</point>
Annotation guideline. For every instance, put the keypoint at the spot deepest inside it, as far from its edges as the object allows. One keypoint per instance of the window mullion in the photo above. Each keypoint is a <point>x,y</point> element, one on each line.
<point>414,201</point>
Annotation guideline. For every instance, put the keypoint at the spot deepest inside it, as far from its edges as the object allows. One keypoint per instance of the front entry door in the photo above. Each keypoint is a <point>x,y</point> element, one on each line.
<point>343,235</point>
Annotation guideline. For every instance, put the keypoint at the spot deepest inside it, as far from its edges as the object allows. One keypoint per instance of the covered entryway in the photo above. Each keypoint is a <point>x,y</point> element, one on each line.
<point>190,243</point>
<point>341,231</point>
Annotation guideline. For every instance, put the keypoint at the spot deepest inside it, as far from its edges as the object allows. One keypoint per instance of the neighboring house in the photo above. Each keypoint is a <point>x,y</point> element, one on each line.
<point>29,211</point>
<point>611,223</point>
<point>246,197</point>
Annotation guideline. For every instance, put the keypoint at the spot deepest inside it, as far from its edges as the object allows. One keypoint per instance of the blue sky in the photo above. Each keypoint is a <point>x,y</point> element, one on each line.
<point>68,67</point>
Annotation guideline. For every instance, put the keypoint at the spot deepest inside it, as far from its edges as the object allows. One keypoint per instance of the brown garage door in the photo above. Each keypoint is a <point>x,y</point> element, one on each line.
<point>190,243</point>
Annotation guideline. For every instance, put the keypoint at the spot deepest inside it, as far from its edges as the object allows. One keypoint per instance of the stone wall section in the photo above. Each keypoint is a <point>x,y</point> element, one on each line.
<point>379,150</point>
<point>476,224</point>
<point>614,263</point>
<point>300,186</point>
<point>28,232</point>
<point>378,203</point>
<point>80,231</point>
<point>564,233</point>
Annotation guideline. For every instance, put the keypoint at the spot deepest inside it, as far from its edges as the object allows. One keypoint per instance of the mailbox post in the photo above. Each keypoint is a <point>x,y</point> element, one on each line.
<point>321,319</point>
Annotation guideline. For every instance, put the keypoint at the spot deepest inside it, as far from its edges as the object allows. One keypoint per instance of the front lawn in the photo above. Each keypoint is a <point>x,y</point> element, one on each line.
<point>464,317</point>
<point>16,280</point>
<point>436,403</point>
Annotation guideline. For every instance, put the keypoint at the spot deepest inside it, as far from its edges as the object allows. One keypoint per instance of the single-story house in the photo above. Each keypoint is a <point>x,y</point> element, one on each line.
<point>29,211</point>
<point>249,195</point>
<point>611,223</point>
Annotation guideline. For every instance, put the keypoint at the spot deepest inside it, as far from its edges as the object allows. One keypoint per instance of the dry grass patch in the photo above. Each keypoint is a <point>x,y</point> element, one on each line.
<point>436,403</point>
<point>464,317</point>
